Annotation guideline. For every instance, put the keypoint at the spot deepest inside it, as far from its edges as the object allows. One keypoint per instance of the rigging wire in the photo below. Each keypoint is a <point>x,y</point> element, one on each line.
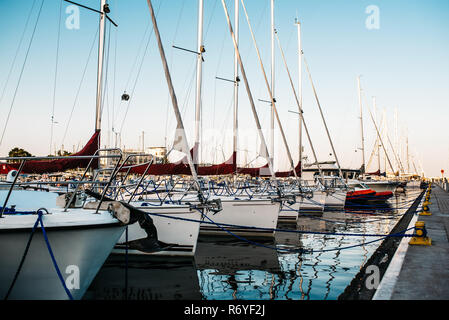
<point>139,70</point>
<point>216,74</point>
<point>133,66</point>
<point>135,83</point>
<point>17,51</point>
<point>210,20</point>
<point>79,87</point>
<point>114,83</point>
<point>106,72</point>
<point>171,67</point>
<point>56,77</point>
<point>190,85</point>
<point>21,72</point>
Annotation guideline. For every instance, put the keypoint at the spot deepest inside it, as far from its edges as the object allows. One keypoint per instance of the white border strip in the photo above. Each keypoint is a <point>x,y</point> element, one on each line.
<point>386,286</point>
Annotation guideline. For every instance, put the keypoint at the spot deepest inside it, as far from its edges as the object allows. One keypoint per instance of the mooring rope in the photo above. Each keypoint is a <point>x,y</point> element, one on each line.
<point>302,250</point>
<point>272,229</point>
<point>47,242</point>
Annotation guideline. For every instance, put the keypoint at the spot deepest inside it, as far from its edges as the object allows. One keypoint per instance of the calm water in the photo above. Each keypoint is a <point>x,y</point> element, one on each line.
<point>228,268</point>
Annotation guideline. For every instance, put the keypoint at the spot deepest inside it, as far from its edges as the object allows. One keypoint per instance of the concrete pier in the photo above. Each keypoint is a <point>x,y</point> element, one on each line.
<point>422,272</point>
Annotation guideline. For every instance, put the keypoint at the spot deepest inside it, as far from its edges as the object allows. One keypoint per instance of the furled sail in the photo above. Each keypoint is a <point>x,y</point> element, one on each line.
<point>264,171</point>
<point>58,165</point>
<point>284,174</point>
<point>182,168</point>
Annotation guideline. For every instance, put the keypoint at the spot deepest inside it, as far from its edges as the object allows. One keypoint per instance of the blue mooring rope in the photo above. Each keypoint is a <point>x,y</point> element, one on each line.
<point>301,250</point>
<point>47,242</point>
<point>39,212</point>
<point>399,234</point>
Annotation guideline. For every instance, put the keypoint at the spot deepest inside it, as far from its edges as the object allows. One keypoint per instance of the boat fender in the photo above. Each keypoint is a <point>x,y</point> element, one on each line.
<point>120,212</point>
<point>11,176</point>
<point>148,244</point>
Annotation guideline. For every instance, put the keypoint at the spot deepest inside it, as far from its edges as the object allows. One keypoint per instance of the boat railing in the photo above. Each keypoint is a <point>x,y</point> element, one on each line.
<point>119,167</point>
<point>122,185</point>
<point>95,183</point>
<point>23,161</point>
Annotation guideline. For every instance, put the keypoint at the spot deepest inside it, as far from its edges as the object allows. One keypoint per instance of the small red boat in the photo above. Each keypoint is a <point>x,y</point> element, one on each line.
<point>367,196</point>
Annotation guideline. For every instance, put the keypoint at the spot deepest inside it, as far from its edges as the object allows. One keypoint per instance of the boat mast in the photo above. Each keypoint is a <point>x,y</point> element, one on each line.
<point>180,126</point>
<point>408,159</point>
<point>199,71</point>
<point>272,84</point>
<point>264,148</point>
<point>361,125</point>
<point>378,143</point>
<point>298,103</point>
<point>236,82</point>
<point>273,101</point>
<point>298,25</point>
<point>396,138</point>
<point>100,65</point>
<point>380,139</point>
<point>384,132</point>
<point>396,154</point>
<point>322,117</point>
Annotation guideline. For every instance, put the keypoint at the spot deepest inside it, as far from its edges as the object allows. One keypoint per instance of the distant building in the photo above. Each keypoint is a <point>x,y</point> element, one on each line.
<point>159,154</point>
<point>134,157</point>
<point>329,168</point>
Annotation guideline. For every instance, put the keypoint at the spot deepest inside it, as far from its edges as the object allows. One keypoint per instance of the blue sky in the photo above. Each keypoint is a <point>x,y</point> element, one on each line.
<point>404,63</point>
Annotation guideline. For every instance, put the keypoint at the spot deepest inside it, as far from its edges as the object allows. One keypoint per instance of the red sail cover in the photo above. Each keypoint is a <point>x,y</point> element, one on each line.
<point>182,168</point>
<point>228,167</point>
<point>58,165</point>
<point>265,172</point>
<point>376,173</point>
<point>284,174</point>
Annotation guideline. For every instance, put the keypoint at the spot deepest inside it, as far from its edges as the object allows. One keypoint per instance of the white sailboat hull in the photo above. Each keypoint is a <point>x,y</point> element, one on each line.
<point>335,200</point>
<point>255,213</point>
<point>172,226</point>
<point>289,213</point>
<point>80,242</point>
<point>314,204</point>
<point>381,186</point>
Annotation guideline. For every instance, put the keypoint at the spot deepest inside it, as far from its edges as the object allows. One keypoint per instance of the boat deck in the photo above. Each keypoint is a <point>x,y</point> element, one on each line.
<point>424,274</point>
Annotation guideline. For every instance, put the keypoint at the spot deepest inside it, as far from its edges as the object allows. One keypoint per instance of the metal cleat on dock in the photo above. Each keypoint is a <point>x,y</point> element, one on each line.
<point>420,236</point>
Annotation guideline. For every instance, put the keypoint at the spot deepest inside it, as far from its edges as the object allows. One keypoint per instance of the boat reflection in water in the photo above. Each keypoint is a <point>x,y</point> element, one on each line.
<point>146,278</point>
<point>229,268</point>
<point>235,269</point>
<point>369,209</point>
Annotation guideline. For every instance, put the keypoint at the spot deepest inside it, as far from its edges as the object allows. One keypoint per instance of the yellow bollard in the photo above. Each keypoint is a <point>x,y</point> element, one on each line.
<point>420,236</point>
<point>425,211</point>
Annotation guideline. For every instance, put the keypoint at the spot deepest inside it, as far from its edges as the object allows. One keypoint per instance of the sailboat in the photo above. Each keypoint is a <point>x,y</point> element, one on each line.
<point>383,186</point>
<point>242,215</point>
<point>238,216</point>
<point>53,246</point>
<point>368,190</point>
